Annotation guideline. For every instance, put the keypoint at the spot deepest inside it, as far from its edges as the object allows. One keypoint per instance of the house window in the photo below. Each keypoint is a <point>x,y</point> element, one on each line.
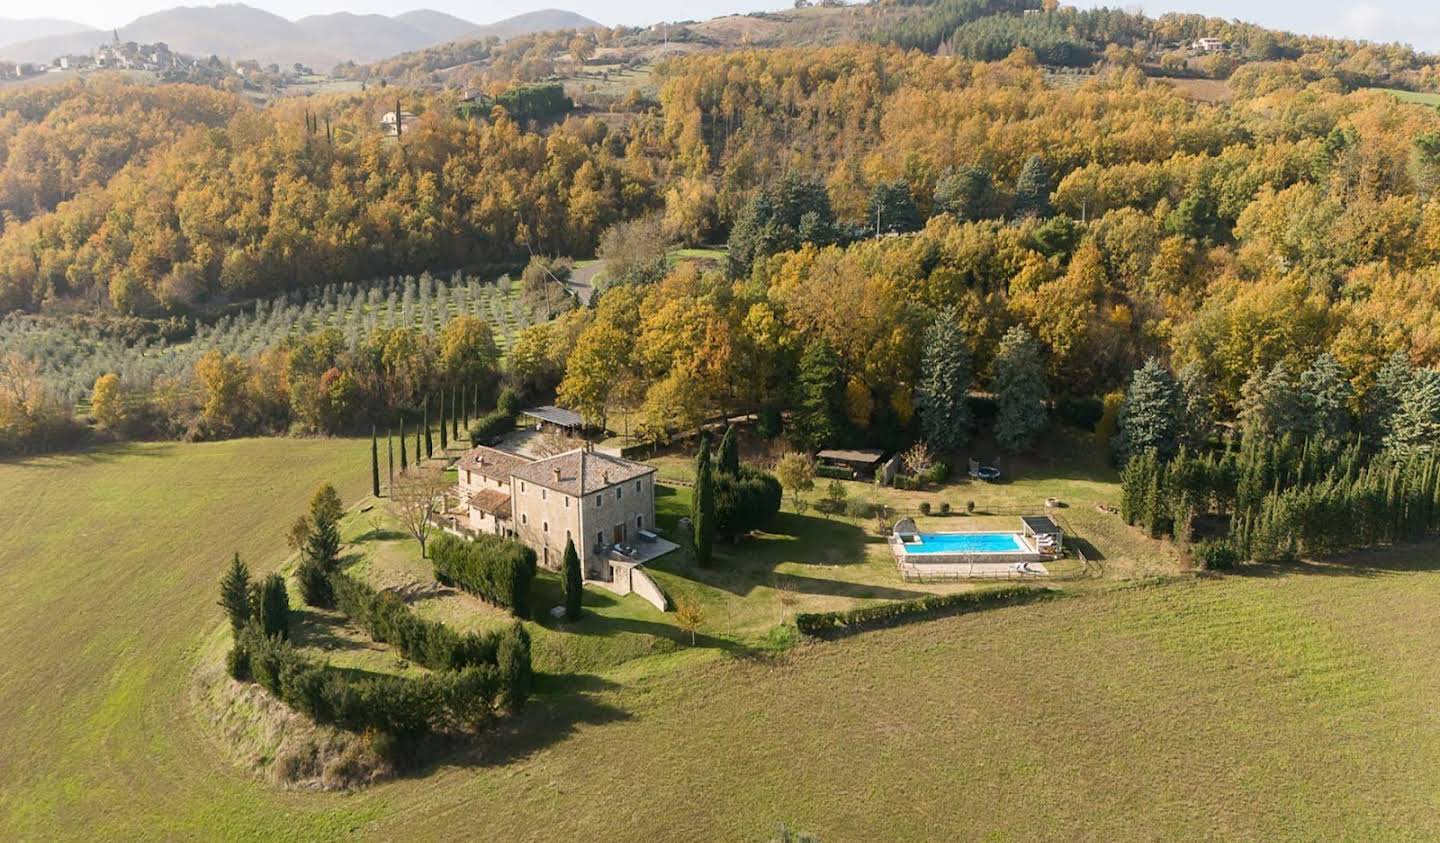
<point>542,494</point>
<point>599,538</point>
<point>522,485</point>
<point>639,522</point>
<point>567,501</point>
<point>598,499</point>
<point>619,493</point>
<point>524,519</point>
<point>637,486</point>
<point>545,526</point>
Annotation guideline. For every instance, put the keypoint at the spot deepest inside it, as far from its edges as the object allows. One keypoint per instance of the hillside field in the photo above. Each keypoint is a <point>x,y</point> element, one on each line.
<point>1287,702</point>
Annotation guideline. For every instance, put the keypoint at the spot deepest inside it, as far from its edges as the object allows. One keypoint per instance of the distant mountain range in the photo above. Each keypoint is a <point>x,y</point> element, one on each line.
<point>237,31</point>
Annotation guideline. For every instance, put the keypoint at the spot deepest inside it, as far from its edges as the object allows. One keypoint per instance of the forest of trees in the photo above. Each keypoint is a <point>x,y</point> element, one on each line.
<point>1108,222</point>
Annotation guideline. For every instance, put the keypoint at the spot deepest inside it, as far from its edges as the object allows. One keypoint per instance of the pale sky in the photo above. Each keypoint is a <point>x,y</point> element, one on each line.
<point>1409,21</point>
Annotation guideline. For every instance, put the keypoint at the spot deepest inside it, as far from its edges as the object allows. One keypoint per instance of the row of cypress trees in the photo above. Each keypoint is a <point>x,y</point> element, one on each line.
<point>1287,496</point>
<point>464,404</point>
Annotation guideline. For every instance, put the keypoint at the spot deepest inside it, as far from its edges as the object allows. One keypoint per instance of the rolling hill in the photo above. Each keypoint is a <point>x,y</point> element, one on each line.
<point>16,31</point>
<point>240,31</point>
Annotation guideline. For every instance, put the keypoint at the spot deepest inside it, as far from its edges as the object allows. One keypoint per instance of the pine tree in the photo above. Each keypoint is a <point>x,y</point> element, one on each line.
<point>1271,405</point>
<point>1020,391</point>
<point>1197,407</point>
<point>1326,393</point>
<point>374,463</point>
<point>1415,427</point>
<point>1150,415</point>
<point>943,391</point>
<point>444,426</point>
<point>574,583</point>
<point>892,208</point>
<point>429,441</point>
<point>235,594</point>
<point>275,607</point>
<point>817,422</point>
<point>729,461</point>
<point>1032,189</point>
<point>702,507</point>
<point>1383,399</point>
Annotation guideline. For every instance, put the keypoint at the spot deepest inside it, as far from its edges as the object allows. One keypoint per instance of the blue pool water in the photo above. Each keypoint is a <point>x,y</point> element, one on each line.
<point>966,543</point>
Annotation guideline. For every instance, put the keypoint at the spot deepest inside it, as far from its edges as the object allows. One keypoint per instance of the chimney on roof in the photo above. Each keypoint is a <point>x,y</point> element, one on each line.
<point>605,476</point>
<point>556,469</point>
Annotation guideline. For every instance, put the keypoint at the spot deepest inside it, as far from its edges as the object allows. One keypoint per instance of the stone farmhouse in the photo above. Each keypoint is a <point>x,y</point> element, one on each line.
<point>604,503</point>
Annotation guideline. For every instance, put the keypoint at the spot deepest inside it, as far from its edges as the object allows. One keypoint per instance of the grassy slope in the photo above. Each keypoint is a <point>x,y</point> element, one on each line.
<point>108,564</point>
<point>1295,702</point>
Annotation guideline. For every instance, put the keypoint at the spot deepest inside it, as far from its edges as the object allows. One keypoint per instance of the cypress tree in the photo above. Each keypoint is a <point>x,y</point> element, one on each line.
<point>235,594</point>
<point>574,583</point>
<point>418,458</point>
<point>729,452</point>
<point>275,607</point>
<point>404,457</point>
<point>444,428</point>
<point>702,511</point>
<point>374,463</point>
<point>390,457</point>
<point>429,441</point>
<point>943,391</point>
<point>454,414</point>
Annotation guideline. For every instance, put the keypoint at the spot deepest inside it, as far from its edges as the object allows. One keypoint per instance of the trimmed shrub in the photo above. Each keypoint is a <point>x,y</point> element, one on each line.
<point>834,472</point>
<point>823,624</point>
<point>402,707</point>
<point>275,607</point>
<point>924,507</point>
<point>490,425</point>
<point>387,619</point>
<point>745,501</point>
<point>860,509</point>
<point>1218,555</point>
<point>944,507</point>
<point>495,569</point>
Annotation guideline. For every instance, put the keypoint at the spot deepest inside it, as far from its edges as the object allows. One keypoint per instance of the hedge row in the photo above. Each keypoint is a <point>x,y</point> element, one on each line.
<point>490,425</point>
<point>834,472</point>
<point>832,624</point>
<point>495,569</point>
<point>386,618</point>
<point>457,699</point>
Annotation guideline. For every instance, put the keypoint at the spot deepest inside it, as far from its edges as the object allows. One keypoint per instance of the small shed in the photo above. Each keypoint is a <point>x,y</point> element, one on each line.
<point>1046,534</point>
<point>558,419</point>
<point>861,462</point>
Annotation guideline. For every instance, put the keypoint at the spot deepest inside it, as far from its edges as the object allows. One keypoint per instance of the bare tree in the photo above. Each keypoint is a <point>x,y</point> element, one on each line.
<point>918,459</point>
<point>689,616</point>
<point>418,493</point>
<point>785,591</point>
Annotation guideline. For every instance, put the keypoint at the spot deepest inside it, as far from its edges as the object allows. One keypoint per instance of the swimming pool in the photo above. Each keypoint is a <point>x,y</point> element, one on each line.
<point>966,544</point>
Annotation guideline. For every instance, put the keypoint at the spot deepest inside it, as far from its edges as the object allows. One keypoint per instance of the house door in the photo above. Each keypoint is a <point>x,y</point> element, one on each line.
<point>619,533</point>
<point>546,552</point>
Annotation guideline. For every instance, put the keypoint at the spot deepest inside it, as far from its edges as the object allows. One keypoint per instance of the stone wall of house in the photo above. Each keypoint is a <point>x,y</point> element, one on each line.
<point>630,504</point>
<point>543,518</point>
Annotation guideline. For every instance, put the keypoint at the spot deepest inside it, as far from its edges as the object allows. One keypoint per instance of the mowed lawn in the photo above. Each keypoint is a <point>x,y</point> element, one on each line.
<point>1293,702</point>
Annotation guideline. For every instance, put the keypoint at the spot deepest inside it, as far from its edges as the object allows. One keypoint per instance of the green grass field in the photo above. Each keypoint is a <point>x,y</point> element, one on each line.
<point>1289,702</point>
<point>1417,97</point>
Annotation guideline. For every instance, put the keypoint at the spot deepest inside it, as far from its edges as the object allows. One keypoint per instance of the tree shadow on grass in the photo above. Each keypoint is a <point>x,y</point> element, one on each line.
<point>1412,558</point>
<point>841,588</point>
<point>547,720</point>
<point>597,621</point>
<point>380,534</point>
<point>314,629</point>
